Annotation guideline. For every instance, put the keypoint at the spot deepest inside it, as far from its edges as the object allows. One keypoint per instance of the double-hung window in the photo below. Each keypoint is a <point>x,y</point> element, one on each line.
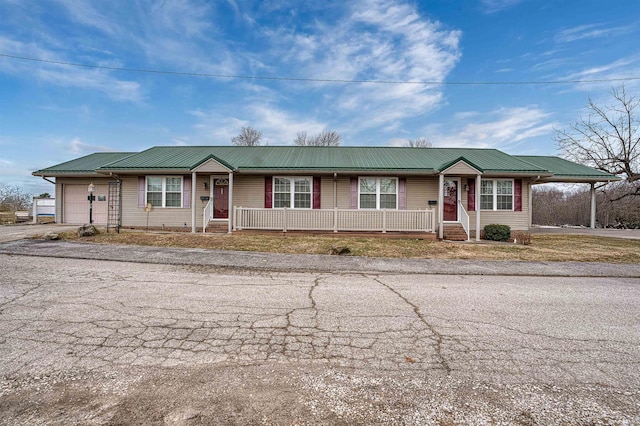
<point>293,192</point>
<point>378,193</point>
<point>496,194</point>
<point>164,191</point>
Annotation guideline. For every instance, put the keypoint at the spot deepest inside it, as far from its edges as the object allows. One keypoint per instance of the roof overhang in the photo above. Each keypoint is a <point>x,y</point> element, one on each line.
<point>576,179</point>
<point>165,171</point>
<point>67,174</point>
<point>331,172</point>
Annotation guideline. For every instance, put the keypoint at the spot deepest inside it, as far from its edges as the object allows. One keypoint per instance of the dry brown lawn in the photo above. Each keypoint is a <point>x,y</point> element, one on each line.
<point>578,248</point>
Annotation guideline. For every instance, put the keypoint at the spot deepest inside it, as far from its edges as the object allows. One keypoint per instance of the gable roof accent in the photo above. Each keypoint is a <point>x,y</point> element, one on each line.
<point>460,161</point>
<point>86,165</point>
<point>212,164</point>
<point>567,171</point>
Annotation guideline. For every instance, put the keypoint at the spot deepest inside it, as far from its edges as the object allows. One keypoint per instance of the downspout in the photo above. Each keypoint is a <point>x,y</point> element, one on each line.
<point>50,181</point>
<point>58,219</point>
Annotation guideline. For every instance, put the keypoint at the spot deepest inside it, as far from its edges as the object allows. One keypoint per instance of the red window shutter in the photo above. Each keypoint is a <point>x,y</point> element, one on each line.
<point>268,192</point>
<point>517,195</point>
<point>141,191</point>
<point>471,195</point>
<point>316,192</point>
<point>402,194</point>
<point>186,192</point>
<point>354,193</point>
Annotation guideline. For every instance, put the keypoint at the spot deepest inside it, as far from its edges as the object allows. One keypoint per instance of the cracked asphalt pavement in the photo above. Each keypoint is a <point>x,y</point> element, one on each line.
<point>140,339</point>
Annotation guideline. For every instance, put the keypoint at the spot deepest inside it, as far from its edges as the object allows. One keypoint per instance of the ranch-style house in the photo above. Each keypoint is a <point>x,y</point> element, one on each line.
<point>439,191</point>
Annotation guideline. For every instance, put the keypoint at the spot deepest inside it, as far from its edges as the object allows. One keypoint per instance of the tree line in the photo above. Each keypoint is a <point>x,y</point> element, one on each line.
<point>250,136</point>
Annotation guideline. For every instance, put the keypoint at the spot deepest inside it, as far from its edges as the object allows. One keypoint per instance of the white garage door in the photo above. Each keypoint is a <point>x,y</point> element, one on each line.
<point>76,204</point>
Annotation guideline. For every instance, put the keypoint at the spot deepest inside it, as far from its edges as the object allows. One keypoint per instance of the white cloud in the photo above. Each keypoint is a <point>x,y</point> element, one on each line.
<point>64,75</point>
<point>77,147</point>
<point>608,73</point>
<point>375,40</point>
<point>493,6</point>
<point>278,127</point>
<point>504,128</point>
<point>589,31</point>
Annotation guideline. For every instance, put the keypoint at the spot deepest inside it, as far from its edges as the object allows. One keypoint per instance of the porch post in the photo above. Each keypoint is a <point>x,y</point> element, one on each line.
<point>593,205</point>
<point>440,206</point>
<point>230,207</point>
<point>530,203</point>
<point>477,200</point>
<point>193,202</point>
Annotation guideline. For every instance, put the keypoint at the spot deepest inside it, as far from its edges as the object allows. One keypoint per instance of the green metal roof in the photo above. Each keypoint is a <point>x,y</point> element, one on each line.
<point>83,165</point>
<point>565,169</point>
<point>321,158</point>
<point>292,158</point>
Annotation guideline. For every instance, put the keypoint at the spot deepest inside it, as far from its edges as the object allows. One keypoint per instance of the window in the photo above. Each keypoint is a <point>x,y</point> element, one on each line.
<point>378,193</point>
<point>163,191</point>
<point>292,191</point>
<point>496,194</point>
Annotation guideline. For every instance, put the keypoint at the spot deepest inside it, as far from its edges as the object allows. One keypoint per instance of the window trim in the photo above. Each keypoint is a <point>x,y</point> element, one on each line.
<point>164,191</point>
<point>377,178</point>
<point>292,193</point>
<point>494,194</point>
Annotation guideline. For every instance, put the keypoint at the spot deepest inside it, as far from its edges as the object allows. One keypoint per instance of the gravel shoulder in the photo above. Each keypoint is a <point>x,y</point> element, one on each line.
<point>315,263</point>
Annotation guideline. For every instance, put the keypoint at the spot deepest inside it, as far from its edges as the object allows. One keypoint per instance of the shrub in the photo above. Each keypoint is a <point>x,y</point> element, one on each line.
<point>495,232</point>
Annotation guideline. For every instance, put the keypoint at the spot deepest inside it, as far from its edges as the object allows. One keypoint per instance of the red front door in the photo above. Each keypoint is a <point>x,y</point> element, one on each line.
<point>450,200</point>
<point>220,201</point>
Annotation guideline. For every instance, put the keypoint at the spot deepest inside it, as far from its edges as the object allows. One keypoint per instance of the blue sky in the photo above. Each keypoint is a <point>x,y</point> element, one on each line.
<point>50,113</point>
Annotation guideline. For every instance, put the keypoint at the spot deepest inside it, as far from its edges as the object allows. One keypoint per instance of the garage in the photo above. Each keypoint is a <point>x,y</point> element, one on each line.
<point>76,204</point>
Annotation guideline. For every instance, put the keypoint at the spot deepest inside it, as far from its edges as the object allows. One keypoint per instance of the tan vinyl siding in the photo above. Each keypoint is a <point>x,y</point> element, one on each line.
<point>344,193</point>
<point>419,191</point>
<point>211,166</point>
<point>132,215</point>
<point>518,221</point>
<point>326,192</point>
<point>58,195</point>
<point>248,191</point>
<point>461,169</point>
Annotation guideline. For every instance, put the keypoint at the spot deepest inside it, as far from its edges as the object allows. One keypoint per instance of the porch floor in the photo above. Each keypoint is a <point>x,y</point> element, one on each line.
<point>389,234</point>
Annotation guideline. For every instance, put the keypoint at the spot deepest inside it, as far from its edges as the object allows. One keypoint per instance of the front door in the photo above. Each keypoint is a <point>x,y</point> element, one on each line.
<point>450,204</point>
<point>220,198</point>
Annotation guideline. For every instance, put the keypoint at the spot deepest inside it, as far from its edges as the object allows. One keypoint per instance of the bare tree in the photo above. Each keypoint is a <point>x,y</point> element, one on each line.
<point>248,137</point>
<point>607,139</point>
<point>324,138</point>
<point>301,139</point>
<point>13,198</point>
<point>419,143</point>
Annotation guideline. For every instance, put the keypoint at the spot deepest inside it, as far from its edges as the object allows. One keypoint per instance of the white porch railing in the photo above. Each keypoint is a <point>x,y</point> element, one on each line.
<point>335,220</point>
<point>464,219</point>
<point>207,214</point>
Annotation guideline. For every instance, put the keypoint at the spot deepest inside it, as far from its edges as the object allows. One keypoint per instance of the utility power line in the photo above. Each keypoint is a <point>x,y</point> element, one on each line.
<point>324,80</point>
